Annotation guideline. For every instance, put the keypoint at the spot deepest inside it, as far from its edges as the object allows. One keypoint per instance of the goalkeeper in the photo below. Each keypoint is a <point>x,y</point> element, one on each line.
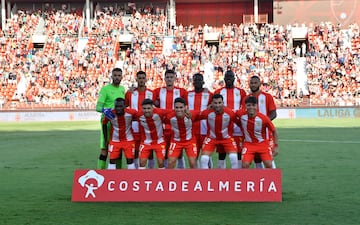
<point>105,103</point>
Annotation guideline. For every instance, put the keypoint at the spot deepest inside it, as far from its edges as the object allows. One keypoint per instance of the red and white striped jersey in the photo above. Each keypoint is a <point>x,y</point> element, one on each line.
<point>266,102</point>
<point>151,128</point>
<point>255,128</point>
<point>181,128</point>
<point>199,102</point>
<point>134,99</point>
<point>121,128</point>
<point>219,124</point>
<point>233,98</point>
<point>166,97</point>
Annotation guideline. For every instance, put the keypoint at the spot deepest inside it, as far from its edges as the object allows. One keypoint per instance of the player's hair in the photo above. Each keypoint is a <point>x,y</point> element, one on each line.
<point>251,99</point>
<point>170,71</point>
<point>119,100</point>
<point>140,72</point>
<point>180,100</point>
<point>147,101</point>
<point>216,96</point>
<point>255,77</point>
<point>229,73</point>
<point>198,75</point>
<point>116,69</point>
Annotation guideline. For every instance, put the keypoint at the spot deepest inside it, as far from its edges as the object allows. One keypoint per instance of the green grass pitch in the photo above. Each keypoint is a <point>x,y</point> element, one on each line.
<point>319,160</point>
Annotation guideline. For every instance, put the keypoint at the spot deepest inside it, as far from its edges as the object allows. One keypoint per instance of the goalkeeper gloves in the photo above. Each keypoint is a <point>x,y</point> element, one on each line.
<point>108,113</point>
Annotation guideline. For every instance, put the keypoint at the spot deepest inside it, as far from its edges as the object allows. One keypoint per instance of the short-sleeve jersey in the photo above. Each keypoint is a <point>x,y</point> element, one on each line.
<point>219,124</point>
<point>134,99</point>
<point>166,97</point>
<point>266,103</point>
<point>233,98</point>
<point>255,128</point>
<point>199,101</point>
<point>121,129</point>
<point>151,128</point>
<point>181,128</point>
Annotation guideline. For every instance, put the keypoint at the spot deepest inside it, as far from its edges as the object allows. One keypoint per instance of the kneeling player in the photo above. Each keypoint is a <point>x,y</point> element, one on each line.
<point>121,137</point>
<point>254,126</point>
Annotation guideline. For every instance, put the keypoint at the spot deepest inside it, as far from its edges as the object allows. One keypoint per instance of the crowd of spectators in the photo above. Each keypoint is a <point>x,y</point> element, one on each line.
<point>64,74</point>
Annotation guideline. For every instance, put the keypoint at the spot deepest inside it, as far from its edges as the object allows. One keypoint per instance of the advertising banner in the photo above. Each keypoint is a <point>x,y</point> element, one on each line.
<point>187,185</point>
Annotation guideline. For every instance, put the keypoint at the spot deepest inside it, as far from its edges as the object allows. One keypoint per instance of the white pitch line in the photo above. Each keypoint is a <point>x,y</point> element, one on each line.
<point>320,141</point>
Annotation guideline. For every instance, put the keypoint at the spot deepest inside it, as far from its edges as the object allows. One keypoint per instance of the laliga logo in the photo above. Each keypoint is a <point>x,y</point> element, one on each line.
<point>91,174</point>
<point>343,11</point>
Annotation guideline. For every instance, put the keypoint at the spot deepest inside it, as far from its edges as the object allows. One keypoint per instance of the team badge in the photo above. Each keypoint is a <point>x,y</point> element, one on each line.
<point>177,93</point>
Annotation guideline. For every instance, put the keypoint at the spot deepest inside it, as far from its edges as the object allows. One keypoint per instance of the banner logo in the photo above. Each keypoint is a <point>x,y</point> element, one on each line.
<point>92,181</point>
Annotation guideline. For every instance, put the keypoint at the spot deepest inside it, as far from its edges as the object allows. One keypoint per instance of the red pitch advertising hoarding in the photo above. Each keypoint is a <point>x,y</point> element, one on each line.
<point>187,185</point>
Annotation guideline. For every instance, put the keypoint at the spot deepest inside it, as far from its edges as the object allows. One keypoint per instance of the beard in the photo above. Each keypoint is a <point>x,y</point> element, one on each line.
<point>255,89</point>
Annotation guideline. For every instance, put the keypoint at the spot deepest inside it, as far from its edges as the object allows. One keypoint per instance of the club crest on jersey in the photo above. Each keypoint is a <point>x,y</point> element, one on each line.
<point>177,92</point>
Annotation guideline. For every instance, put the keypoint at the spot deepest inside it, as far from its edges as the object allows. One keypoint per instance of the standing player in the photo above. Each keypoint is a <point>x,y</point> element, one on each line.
<point>121,136</point>
<point>133,99</point>
<point>165,97</point>
<point>106,100</point>
<point>233,97</point>
<point>152,136</point>
<point>182,134</point>
<point>199,99</point>
<point>220,120</point>
<point>266,106</point>
<point>255,126</point>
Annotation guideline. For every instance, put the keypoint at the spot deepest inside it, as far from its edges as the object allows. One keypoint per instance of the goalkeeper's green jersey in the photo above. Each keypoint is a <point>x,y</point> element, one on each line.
<point>107,96</point>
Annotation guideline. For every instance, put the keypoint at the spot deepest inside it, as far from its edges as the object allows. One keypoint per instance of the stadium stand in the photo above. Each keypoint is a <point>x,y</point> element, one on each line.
<point>67,71</point>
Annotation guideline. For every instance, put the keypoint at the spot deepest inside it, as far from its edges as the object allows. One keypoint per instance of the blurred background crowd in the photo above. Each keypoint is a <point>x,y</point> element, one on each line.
<point>74,62</point>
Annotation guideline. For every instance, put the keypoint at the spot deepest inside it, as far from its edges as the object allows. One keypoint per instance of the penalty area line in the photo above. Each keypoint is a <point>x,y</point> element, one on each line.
<point>320,141</point>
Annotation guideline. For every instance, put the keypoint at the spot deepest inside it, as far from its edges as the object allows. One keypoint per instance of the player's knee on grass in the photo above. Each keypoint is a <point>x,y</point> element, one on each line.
<point>245,165</point>
<point>192,162</point>
<point>171,162</point>
<point>143,162</point>
<point>268,163</point>
<point>160,163</point>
